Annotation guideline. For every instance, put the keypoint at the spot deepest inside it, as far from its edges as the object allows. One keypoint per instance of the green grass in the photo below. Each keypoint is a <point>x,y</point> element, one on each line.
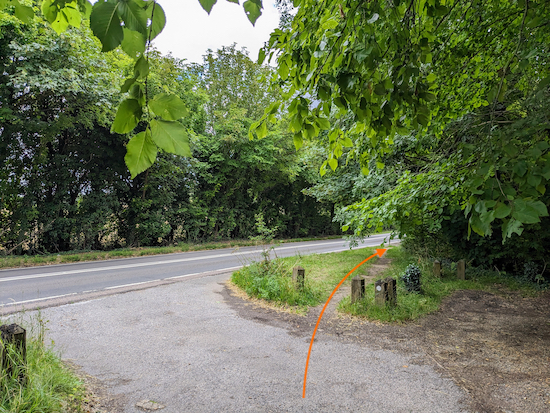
<point>15,261</point>
<point>272,280</point>
<point>50,387</point>
<point>411,306</point>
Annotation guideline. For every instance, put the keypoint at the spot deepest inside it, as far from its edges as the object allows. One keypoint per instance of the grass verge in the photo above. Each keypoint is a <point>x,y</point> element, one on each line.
<point>50,387</point>
<point>411,306</point>
<point>272,279</point>
<point>16,261</point>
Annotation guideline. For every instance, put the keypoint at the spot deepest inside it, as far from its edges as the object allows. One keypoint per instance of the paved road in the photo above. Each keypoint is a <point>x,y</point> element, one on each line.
<point>58,284</point>
<point>184,346</point>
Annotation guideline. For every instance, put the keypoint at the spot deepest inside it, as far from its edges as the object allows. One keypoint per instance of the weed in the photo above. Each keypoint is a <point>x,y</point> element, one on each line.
<point>50,387</point>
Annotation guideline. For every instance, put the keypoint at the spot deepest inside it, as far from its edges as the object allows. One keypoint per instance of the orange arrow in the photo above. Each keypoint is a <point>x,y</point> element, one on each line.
<point>379,252</point>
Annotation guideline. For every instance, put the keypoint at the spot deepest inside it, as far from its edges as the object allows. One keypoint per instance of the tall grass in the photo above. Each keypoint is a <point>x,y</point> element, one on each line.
<point>49,386</point>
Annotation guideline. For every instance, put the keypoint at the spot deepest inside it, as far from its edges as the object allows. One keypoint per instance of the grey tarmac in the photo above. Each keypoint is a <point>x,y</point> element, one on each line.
<point>182,346</point>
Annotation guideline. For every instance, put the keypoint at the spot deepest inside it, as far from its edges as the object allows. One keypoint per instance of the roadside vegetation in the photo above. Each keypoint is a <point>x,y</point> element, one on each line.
<point>14,261</point>
<point>271,280</point>
<point>50,386</point>
<point>412,305</point>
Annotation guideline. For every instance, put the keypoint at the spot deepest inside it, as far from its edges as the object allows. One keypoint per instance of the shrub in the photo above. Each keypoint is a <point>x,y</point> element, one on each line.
<point>411,278</point>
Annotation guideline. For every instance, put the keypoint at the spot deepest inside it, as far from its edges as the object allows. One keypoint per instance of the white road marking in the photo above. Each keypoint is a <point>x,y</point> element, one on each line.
<point>147,264</point>
<point>38,299</point>
<point>206,272</point>
<point>129,285</point>
<point>169,278</point>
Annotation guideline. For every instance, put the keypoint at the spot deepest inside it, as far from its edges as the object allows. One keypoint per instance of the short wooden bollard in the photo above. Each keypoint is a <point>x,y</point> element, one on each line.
<point>461,270</point>
<point>15,337</point>
<point>357,288</point>
<point>380,294</point>
<point>391,291</point>
<point>437,268</point>
<point>298,277</point>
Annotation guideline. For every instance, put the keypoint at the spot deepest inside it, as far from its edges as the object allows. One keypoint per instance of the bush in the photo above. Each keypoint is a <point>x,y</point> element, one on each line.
<point>411,278</point>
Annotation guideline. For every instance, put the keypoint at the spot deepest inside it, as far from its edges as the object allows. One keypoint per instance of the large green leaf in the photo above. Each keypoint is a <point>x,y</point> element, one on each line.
<point>136,92</point>
<point>141,153</point>
<point>158,20</point>
<point>105,24</point>
<point>72,14</point>
<point>253,10</point>
<point>132,12</point>
<point>502,211</point>
<point>49,10</point>
<point>127,116</point>
<point>528,212</point>
<point>207,5</point>
<point>168,107</point>
<point>171,137</point>
<point>133,43</point>
<point>510,227</point>
<point>23,13</point>
<point>61,23</point>
<point>127,84</point>
<point>141,68</point>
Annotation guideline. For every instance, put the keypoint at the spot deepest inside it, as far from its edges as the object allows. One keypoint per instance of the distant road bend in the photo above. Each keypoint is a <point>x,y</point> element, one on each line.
<point>44,286</point>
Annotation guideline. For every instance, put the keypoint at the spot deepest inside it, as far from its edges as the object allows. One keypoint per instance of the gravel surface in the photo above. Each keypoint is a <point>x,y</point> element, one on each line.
<point>184,347</point>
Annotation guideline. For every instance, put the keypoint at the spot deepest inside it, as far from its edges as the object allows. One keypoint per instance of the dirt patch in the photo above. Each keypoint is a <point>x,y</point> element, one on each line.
<point>97,398</point>
<point>495,347</point>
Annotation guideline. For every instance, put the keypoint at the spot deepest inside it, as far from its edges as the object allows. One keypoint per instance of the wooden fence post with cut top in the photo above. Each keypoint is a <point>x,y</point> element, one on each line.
<point>357,288</point>
<point>380,292</point>
<point>14,337</point>
<point>298,277</point>
<point>437,268</point>
<point>391,291</point>
<point>461,270</point>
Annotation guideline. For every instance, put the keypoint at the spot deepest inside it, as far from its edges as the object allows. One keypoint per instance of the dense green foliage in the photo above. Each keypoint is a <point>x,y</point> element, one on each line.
<point>433,114</point>
<point>131,25</point>
<point>63,180</point>
<point>444,104</point>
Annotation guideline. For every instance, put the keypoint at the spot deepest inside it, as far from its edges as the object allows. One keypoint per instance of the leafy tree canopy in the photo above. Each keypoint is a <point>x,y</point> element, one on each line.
<point>412,68</point>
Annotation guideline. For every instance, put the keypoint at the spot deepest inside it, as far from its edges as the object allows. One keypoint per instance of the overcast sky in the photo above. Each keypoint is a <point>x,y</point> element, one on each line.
<point>190,31</point>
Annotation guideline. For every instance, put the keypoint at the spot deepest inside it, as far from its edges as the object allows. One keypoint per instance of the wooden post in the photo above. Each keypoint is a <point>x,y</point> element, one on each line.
<point>380,288</point>
<point>298,277</point>
<point>15,337</point>
<point>461,270</point>
<point>437,268</point>
<point>391,291</point>
<point>357,288</point>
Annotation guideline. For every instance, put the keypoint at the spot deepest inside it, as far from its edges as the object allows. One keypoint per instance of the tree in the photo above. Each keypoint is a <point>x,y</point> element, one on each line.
<point>55,142</point>
<point>132,25</point>
<point>411,68</point>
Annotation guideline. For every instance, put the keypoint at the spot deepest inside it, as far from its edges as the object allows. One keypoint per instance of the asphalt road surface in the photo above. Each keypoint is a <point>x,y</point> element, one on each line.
<point>185,347</point>
<point>44,286</point>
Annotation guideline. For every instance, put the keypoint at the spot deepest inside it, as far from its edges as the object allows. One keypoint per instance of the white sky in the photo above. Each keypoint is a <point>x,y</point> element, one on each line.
<point>190,31</point>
